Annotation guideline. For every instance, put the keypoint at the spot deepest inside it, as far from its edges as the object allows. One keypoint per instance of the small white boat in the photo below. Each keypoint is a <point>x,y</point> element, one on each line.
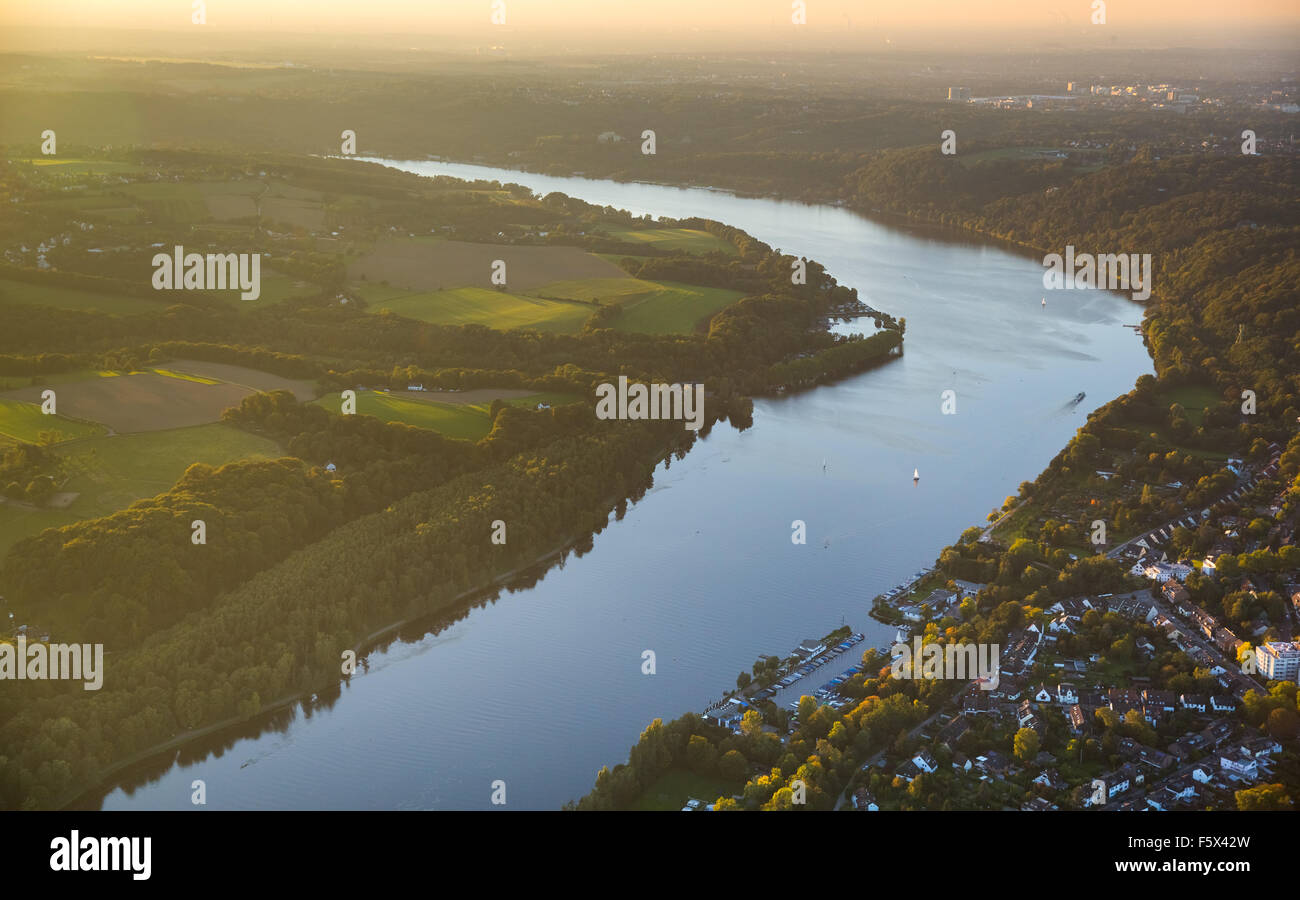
<point>916,474</point>
<point>1044,302</point>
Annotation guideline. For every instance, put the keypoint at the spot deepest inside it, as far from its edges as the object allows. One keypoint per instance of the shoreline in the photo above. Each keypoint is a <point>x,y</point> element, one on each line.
<point>365,645</point>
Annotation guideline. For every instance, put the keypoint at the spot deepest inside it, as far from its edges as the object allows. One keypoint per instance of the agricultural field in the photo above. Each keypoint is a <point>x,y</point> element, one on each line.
<point>689,240</point>
<point>437,265</point>
<point>479,306</point>
<point>83,166</point>
<point>142,401</point>
<point>168,201</point>
<point>108,473</point>
<point>250,379</point>
<point>21,421</point>
<point>650,307</point>
<point>70,298</point>
<point>465,420</point>
<point>177,395</point>
<point>276,287</point>
<point>276,202</point>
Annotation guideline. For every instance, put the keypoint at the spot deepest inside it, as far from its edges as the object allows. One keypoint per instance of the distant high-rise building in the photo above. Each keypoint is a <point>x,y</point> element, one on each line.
<point>1279,661</point>
<point>959,93</point>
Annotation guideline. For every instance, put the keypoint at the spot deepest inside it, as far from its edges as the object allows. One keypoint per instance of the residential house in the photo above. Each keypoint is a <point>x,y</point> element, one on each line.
<point>977,703</point>
<point>1174,792</point>
<point>1051,779</point>
<point>864,800</point>
<point>1222,703</point>
<point>954,731</point>
<point>1025,714</point>
<point>1238,765</point>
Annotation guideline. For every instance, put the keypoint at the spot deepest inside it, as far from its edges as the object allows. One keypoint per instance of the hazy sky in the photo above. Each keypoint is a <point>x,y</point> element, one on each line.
<point>659,15</point>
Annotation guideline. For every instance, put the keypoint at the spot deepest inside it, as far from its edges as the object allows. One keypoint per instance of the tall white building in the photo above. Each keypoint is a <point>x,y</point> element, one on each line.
<point>1278,661</point>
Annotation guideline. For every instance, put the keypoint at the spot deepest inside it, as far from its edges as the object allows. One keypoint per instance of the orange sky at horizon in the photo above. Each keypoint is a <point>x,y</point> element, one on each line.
<point>378,16</point>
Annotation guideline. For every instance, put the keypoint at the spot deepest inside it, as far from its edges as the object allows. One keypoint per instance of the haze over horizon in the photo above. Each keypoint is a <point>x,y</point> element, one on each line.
<point>567,25</point>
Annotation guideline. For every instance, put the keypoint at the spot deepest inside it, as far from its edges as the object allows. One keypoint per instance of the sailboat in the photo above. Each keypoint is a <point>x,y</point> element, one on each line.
<point>1044,303</point>
<point>916,474</point>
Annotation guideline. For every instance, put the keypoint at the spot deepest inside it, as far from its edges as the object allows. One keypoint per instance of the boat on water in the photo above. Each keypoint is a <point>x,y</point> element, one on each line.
<point>1078,398</point>
<point>916,474</point>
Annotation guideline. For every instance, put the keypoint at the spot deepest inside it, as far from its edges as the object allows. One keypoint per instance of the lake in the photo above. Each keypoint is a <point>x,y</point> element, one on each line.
<point>543,686</point>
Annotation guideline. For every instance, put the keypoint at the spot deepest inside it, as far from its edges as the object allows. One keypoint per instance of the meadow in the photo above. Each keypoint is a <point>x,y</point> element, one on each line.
<point>108,473</point>
<point>649,307</point>
<point>689,240</point>
<point>467,421</point>
<point>437,265</point>
<point>70,298</point>
<point>21,421</point>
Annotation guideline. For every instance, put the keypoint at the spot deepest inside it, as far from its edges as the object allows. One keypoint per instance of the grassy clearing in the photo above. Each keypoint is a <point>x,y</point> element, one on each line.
<point>689,240</point>
<point>25,422</point>
<point>13,292</point>
<point>676,786</point>
<point>478,306</point>
<point>111,473</point>
<point>467,421</point>
<point>1194,399</point>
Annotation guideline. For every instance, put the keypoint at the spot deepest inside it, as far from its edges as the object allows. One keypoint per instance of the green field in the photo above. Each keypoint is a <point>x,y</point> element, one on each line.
<point>70,298</point>
<point>676,786</point>
<point>24,422</point>
<point>275,288</point>
<point>9,382</point>
<point>468,421</point>
<point>649,307</point>
<point>674,308</point>
<point>83,166</point>
<point>479,306</point>
<point>111,473</point>
<point>168,201</point>
<point>690,240</point>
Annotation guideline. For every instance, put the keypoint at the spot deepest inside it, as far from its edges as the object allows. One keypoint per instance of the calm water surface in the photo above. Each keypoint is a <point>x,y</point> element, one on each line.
<point>543,686</point>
